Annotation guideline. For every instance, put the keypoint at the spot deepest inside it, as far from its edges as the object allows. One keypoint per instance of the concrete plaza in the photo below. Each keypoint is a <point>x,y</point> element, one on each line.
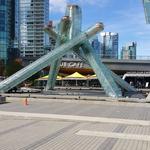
<point>74,125</point>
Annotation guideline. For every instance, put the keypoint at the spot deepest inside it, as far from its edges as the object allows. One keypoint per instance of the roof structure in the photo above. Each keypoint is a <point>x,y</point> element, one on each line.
<point>75,75</point>
<point>46,78</point>
<point>93,77</point>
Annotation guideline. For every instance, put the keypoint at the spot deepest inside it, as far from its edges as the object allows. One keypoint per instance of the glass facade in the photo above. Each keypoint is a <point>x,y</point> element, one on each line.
<point>3,29</point>
<point>109,45</point>
<point>96,45</point>
<point>129,51</point>
<point>16,25</point>
<point>33,16</point>
<point>146,4</point>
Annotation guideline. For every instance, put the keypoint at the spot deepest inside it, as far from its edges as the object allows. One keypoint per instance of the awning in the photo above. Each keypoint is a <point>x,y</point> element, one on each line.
<point>92,77</point>
<point>75,76</point>
<point>45,78</point>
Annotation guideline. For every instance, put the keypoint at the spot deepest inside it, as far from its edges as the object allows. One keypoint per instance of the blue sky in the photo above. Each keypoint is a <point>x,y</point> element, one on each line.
<point>125,17</point>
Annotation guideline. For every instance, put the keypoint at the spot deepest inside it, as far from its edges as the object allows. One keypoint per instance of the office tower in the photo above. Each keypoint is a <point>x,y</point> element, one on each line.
<point>9,49</point>
<point>109,45</point>
<point>11,21</point>
<point>16,24</point>
<point>4,29</point>
<point>96,45</point>
<point>13,17</point>
<point>146,4</point>
<point>129,51</point>
<point>33,16</point>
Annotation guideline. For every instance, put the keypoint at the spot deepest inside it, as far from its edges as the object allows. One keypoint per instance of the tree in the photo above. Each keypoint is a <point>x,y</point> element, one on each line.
<point>2,67</point>
<point>13,66</point>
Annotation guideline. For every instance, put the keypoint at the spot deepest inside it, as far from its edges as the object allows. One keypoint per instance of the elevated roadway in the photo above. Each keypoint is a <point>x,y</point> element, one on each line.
<point>118,66</point>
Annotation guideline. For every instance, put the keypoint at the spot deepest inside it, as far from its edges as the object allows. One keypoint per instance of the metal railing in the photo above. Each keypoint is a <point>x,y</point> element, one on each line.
<point>137,57</point>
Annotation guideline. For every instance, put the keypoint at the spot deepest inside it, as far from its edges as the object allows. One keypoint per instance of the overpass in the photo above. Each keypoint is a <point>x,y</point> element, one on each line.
<point>117,65</point>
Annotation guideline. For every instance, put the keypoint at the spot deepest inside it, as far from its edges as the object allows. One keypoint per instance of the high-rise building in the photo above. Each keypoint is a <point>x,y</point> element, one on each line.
<point>16,24</point>
<point>146,4</point>
<point>13,26</point>
<point>4,29</point>
<point>96,45</point>
<point>33,16</point>
<point>129,51</point>
<point>13,52</point>
<point>8,37</point>
<point>109,45</point>
<point>7,18</point>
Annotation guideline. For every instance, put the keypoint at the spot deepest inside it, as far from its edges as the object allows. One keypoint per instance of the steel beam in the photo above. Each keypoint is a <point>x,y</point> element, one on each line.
<point>105,76</point>
<point>102,73</point>
<point>44,61</point>
<point>63,31</point>
<point>69,28</point>
<point>123,84</point>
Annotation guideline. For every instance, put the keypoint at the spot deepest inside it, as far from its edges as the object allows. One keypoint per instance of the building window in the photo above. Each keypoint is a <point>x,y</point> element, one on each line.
<point>2,2</point>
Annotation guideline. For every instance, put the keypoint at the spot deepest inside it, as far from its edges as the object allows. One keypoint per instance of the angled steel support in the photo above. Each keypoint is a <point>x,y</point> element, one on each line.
<point>44,61</point>
<point>70,39</point>
<point>123,84</point>
<point>54,66</point>
<point>54,69</point>
<point>69,27</point>
<point>102,73</point>
<point>105,76</point>
<point>60,37</point>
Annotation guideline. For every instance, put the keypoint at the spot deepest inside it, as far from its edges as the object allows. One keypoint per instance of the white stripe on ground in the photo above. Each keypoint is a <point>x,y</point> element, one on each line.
<point>114,135</point>
<point>76,118</point>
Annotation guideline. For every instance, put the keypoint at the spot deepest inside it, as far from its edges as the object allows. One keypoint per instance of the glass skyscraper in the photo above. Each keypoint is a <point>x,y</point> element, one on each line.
<point>4,29</point>
<point>129,51</point>
<point>109,45</point>
<point>33,16</point>
<point>16,24</point>
<point>146,4</point>
<point>96,45</point>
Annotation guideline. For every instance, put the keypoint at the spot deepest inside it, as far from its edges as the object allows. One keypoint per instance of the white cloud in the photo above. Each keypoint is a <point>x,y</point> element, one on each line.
<point>131,26</point>
<point>100,3</point>
<point>58,5</point>
<point>131,22</point>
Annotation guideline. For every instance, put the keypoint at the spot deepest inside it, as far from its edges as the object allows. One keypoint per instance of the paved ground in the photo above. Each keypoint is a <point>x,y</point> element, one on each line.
<point>74,125</point>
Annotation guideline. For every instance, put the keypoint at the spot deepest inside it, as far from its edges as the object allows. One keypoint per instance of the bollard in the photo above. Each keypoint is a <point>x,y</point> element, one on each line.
<point>25,102</point>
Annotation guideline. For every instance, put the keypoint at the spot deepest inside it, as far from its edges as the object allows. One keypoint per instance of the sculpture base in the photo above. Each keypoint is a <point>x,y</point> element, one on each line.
<point>2,99</point>
<point>76,91</point>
